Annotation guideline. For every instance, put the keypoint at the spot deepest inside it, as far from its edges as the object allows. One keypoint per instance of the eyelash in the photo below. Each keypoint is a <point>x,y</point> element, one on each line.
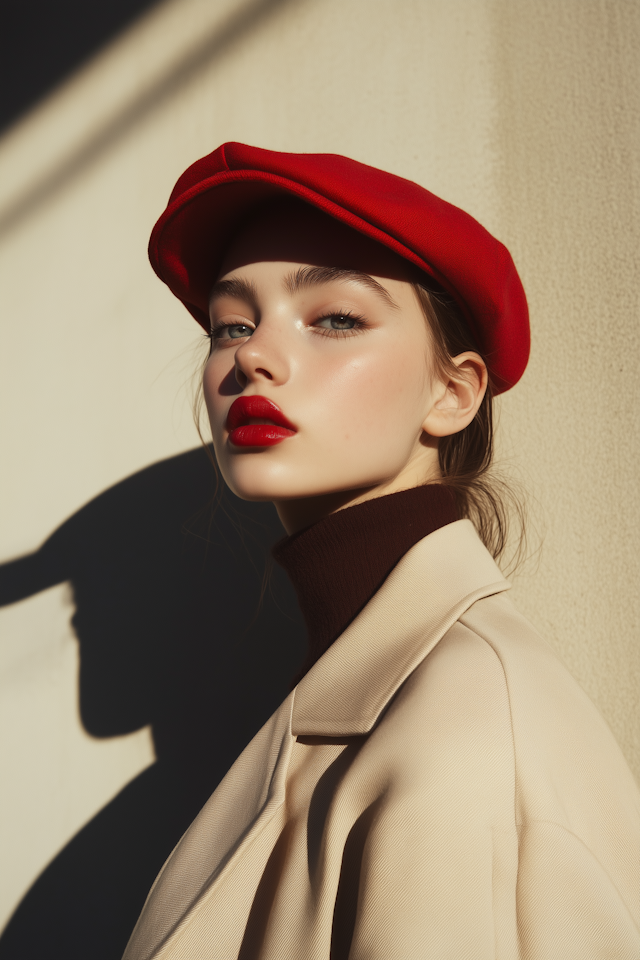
<point>360,324</point>
<point>215,331</point>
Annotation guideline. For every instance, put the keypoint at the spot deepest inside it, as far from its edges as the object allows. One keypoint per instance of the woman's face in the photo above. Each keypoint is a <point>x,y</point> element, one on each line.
<point>344,355</point>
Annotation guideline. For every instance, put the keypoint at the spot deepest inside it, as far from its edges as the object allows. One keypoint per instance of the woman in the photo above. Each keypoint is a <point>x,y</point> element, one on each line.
<point>436,785</point>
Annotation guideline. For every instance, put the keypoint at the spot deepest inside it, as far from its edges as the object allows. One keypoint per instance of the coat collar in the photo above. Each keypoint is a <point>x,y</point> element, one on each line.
<point>345,692</point>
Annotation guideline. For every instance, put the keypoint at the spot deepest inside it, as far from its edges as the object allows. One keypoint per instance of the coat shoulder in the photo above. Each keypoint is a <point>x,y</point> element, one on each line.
<point>495,719</point>
<point>493,686</point>
<point>551,715</point>
<point>445,740</point>
<point>574,789</point>
<point>560,738</point>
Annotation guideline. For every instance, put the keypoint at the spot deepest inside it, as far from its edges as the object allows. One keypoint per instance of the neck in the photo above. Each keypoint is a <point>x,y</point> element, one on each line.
<point>296,515</point>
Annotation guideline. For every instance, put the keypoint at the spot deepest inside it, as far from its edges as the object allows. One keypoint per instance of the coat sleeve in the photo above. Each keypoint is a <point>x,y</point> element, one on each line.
<point>568,905</point>
<point>444,869</point>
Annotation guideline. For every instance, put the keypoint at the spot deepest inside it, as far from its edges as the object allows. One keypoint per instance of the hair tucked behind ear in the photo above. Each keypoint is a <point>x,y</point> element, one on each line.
<point>466,457</point>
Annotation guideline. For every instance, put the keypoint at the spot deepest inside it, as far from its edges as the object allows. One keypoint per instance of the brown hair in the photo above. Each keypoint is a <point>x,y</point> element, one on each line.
<point>466,458</point>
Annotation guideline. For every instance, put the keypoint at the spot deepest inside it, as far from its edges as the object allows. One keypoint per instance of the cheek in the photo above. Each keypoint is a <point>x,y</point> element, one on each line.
<point>214,375</point>
<point>377,398</point>
<point>218,383</point>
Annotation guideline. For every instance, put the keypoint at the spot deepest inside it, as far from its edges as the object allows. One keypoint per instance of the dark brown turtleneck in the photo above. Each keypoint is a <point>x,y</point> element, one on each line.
<point>337,564</point>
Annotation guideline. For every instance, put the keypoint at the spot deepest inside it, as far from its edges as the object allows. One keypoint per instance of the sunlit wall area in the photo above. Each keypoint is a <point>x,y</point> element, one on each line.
<point>525,114</point>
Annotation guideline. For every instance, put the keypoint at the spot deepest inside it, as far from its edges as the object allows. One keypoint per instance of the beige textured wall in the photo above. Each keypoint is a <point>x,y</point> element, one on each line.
<point>567,139</point>
<point>524,113</point>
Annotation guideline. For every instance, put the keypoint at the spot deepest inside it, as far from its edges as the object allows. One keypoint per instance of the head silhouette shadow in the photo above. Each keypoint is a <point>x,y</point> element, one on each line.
<point>177,629</point>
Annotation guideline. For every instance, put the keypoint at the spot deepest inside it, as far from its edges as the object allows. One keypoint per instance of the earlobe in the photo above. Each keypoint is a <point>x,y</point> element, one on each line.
<point>458,397</point>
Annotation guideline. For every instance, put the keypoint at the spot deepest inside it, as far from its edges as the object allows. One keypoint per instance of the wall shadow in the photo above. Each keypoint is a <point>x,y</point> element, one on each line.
<point>210,46</point>
<point>173,633</point>
<point>43,41</point>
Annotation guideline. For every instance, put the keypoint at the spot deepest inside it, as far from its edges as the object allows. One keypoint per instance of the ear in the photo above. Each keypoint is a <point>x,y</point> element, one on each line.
<point>457,397</point>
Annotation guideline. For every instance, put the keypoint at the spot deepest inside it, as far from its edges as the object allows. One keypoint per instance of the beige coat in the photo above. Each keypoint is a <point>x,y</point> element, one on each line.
<point>437,787</point>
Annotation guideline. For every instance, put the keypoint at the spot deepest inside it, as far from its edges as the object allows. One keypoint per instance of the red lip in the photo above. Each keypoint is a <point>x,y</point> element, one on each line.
<point>242,433</point>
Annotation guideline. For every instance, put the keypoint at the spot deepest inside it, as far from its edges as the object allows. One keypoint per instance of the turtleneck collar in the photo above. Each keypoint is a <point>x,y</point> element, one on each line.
<point>337,564</point>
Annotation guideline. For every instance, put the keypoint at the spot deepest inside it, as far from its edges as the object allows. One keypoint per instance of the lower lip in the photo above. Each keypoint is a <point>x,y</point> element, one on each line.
<point>259,435</point>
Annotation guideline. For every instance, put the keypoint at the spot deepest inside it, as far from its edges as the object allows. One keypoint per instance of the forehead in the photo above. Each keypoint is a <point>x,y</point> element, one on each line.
<point>294,232</point>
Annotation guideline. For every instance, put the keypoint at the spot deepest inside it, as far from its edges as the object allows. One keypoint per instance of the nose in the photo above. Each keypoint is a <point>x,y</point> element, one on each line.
<point>261,357</point>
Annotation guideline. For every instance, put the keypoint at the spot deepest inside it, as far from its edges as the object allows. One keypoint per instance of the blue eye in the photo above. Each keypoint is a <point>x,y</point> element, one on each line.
<point>337,322</point>
<point>239,330</point>
<point>231,331</point>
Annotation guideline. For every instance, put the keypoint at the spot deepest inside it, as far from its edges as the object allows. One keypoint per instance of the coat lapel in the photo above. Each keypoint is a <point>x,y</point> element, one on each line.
<point>239,809</point>
<point>430,588</point>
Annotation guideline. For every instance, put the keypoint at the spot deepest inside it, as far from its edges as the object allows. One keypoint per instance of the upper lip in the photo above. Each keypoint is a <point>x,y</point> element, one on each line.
<point>245,409</point>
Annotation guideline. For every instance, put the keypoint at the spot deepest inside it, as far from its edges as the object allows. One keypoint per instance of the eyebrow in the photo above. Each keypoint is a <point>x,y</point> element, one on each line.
<point>236,287</point>
<point>301,279</point>
<point>306,277</point>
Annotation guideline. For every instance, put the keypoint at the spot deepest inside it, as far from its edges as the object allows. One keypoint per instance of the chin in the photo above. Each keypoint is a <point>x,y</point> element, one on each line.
<point>250,485</point>
<point>251,480</point>
<point>276,475</point>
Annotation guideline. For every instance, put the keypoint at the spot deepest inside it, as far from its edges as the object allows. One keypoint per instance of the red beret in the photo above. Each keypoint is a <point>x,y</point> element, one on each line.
<point>215,193</point>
